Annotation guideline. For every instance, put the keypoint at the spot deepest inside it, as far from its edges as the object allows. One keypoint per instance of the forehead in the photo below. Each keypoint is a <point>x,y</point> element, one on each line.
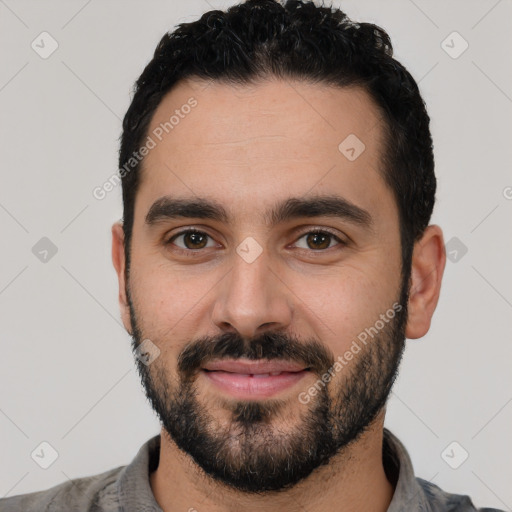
<point>272,138</point>
<point>232,115</point>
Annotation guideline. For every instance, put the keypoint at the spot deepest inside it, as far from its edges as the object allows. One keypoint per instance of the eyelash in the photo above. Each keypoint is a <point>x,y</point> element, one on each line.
<point>193,252</point>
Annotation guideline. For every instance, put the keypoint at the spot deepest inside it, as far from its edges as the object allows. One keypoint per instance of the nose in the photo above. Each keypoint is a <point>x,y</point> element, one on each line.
<point>252,299</point>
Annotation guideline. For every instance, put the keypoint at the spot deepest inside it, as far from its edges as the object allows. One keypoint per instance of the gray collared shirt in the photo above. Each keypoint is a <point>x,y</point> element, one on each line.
<point>127,488</point>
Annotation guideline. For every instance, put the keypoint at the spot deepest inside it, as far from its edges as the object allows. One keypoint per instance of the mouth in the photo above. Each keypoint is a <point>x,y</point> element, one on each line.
<point>253,379</point>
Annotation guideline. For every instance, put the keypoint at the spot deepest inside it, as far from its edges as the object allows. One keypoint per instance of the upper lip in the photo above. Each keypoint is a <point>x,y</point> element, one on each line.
<point>253,367</point>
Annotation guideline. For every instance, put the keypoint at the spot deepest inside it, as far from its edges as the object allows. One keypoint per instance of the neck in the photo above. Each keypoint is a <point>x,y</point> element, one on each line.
<point>352,481</point>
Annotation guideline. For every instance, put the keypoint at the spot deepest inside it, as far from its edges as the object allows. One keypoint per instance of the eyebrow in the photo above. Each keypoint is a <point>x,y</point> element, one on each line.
<point>167,208</point>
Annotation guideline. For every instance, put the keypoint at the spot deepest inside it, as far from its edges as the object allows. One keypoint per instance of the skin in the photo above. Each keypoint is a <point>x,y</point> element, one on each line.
<point>249,147</point>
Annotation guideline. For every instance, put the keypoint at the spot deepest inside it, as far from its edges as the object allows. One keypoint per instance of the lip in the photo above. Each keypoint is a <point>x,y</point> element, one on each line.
<point>251,379</point>
<point>248,367</point>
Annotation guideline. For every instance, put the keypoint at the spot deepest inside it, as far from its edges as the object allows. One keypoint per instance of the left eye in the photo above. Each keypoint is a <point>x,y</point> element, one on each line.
<point>318,240</point>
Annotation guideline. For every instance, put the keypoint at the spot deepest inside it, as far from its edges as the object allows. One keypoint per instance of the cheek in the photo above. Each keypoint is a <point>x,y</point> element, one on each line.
<point>345,305</point>
<point>163,307</point>
<point>168,301</point>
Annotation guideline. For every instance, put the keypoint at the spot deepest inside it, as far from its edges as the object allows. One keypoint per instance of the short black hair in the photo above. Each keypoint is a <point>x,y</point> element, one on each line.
<point>294,40</point>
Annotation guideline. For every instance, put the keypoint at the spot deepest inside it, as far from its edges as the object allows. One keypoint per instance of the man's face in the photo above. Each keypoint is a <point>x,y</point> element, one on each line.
<point>256,286</point>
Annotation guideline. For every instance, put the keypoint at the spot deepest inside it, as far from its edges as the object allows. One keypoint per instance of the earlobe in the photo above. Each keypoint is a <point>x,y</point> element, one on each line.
<point>428,263</point>
<point>118,260</point>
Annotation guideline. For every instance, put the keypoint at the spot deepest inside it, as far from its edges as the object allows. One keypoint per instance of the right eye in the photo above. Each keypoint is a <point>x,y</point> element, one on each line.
<point>191,240</point>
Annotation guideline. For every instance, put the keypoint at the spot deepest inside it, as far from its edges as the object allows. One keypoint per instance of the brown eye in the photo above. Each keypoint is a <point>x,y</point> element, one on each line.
<point>191,240</point>
<point>319,240</point>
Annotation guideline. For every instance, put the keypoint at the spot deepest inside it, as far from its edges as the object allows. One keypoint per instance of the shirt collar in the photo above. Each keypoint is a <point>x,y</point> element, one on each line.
<point>409,494</point>
<point>134,489</point>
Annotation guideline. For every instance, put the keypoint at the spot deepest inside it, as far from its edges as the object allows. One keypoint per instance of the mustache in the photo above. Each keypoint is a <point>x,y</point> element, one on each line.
<point>269,346</point>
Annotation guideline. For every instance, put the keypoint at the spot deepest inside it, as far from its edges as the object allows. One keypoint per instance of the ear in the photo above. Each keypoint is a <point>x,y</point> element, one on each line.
<point>119,261</point>
<point>428,262</point>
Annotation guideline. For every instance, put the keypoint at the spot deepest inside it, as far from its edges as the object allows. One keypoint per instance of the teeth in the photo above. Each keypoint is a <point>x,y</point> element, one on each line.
<point>260,375</point>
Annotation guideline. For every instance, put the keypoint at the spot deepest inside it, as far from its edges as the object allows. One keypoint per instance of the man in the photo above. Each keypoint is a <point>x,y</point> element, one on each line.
<point>274,254</point>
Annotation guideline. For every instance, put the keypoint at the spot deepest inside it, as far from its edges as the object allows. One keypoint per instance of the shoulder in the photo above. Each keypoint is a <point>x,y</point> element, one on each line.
<point>97,492</point>
<point>442,501</point>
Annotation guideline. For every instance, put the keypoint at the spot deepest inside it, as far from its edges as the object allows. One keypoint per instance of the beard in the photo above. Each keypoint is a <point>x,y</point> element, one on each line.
<point>251,454</point>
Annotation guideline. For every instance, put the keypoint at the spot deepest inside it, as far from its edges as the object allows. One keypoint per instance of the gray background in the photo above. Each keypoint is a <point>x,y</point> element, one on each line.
<point>67,375</point>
